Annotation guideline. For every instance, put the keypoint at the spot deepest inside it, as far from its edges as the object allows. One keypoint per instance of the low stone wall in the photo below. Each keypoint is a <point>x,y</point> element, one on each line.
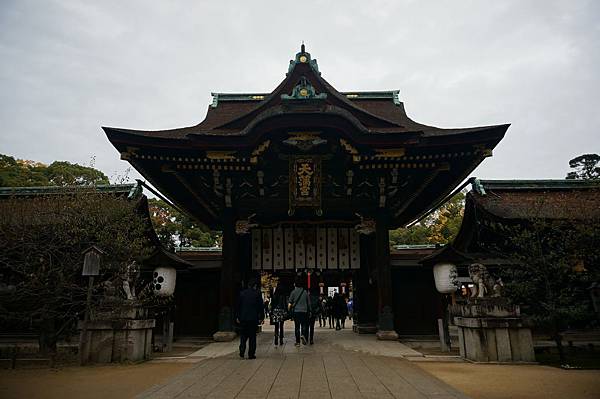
<point>117,340</point>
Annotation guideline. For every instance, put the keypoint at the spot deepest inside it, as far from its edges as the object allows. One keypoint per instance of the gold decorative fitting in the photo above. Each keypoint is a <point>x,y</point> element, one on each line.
<point>305,172</point>
<point>304,136</point>
<point>303,58</point>
<point>304,140</point>
<point>259,150</point>
<point>444,166</point>
<point>258,97</point>
<point>389,152</point>
<point>220,155</point>
<point>350,149</point>
<point>351,95</point>
<point>304,92</point>
<point>305,183</point>
<point>130,152</point>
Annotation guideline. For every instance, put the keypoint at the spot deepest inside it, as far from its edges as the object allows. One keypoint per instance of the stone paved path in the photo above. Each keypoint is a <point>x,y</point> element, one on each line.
<point>339,365</point>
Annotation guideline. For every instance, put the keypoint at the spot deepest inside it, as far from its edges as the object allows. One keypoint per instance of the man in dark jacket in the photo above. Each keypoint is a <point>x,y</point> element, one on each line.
<point>250,312</point>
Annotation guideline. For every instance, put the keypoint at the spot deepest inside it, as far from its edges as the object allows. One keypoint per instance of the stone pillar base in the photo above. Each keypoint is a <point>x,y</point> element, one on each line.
<point>117,340</point>
<point>389,335</point>
<point>491,330</point>
<point>224,336</point>
<point>364,328</point>
<point>504,340</point>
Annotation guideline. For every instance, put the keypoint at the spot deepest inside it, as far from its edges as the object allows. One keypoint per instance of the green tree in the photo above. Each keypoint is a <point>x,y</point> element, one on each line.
<point>174,228</point>
<point>555,262</point>
<point>19,173</point>
<point>440,227</point>
<point>63,173</point>
<point>587,166</point>
<point>25,173</point>
<point>41,245</point>
<point>414,235</point>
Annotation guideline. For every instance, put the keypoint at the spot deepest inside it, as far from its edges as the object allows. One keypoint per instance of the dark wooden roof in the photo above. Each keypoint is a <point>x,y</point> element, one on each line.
<point>238,114</point>
<point>516,201</point>
<point>396,163</point>
<point>548,199</point>
<point>159,256</point>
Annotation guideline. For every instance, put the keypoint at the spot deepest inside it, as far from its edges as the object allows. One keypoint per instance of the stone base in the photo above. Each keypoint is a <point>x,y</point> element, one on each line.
<point>364,328</point>
<point>494,340</point>
<point>117,341</point>
<point>387,335</point>
<point>224,336</point>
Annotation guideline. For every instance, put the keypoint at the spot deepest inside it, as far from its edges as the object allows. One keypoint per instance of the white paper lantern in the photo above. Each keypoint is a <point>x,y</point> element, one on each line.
<point>443,274</point>
<point>163,280</point>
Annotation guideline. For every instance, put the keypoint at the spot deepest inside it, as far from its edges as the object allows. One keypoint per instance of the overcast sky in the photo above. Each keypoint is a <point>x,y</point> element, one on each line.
<point>69,67</point>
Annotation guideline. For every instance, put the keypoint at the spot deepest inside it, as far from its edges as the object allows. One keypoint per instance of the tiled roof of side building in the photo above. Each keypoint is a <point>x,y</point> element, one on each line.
<point>132,190</point>
<point>527,199</point>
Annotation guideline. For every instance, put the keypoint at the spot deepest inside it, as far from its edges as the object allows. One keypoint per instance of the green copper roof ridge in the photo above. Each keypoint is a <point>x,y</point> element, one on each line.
<point>352,95</point>
<point>303,57</point>
<point>417,246</point>
<point>132,189</point>
<point>480,185</point>
<point>388,93</point>
<point>304,91</point>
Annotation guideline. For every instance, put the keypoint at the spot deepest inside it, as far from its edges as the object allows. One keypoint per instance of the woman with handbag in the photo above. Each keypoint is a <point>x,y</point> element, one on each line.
<point>299,306</point>
<point>278,312</point>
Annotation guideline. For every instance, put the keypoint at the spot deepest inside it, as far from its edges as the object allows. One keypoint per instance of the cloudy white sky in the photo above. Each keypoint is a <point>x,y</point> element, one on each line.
<point>69,67</point>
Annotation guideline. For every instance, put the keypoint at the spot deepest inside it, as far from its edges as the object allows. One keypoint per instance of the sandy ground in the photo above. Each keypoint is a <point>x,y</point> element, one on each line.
<point>110,381</point>
<point>515,382</point>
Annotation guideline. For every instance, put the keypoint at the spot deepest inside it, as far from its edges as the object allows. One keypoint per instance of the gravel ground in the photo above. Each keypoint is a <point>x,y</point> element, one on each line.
<point>489,381</point>
<point>106,381</point>
<point>125,381</point>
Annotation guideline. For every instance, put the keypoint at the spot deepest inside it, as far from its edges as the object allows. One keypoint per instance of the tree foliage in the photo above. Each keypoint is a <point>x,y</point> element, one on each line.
<point>41,259</point>
<point>174,228</point>
<point>587,166</point>
<point>24,173</point>
<point>440,227</point>
<point>556,260</point>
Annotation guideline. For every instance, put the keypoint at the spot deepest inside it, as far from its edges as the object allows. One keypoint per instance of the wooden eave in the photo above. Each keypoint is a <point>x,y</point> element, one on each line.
<point>240,123</point>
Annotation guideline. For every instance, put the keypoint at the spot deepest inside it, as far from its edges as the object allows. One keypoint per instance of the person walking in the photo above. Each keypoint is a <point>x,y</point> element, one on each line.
<point>250,312</point>
<point>279,313</point>
<point>350,308</point>
<point>343,310</point>
<point>335,310</point>
<point>329,310</point>
<point>322,312</point>
<point>298,305</point>
<point>314,312</point>
<point>339,310</point>
<point>267,305</point>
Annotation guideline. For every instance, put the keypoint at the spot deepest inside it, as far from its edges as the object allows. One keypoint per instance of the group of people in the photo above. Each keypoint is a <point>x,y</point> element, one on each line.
<point>304,306</point>
<point>334,311</point>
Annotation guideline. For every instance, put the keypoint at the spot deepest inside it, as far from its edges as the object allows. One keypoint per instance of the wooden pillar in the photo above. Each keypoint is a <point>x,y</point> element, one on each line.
<point>365,299</point>
<point>385,325</point>
<point>227,283</point>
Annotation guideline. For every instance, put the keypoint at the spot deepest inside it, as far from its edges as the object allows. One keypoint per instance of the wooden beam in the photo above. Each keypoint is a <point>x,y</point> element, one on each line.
<point>424,184</point>
<point>201,200</point>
